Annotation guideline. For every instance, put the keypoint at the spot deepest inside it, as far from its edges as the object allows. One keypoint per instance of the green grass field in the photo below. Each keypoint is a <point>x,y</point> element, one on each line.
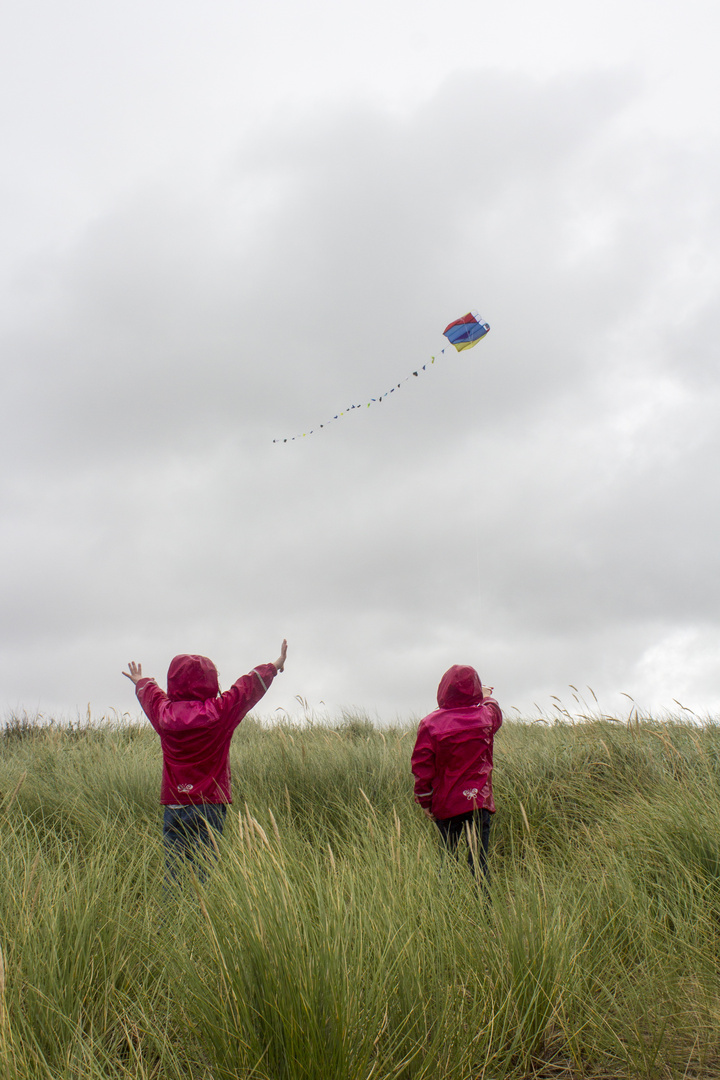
<point>329,942</point>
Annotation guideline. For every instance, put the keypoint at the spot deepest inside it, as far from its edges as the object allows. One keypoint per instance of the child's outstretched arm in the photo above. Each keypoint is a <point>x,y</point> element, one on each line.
<point>150,696</point>
<point>247,691</point>
<point>134,673</point>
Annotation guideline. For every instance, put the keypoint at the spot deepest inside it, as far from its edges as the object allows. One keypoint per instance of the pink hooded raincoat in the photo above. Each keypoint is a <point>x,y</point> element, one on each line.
<point>453,757</point>
<point>196,725</point>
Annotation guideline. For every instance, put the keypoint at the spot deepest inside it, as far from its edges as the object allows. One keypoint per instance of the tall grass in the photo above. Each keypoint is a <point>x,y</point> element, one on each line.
<point>331,941</point>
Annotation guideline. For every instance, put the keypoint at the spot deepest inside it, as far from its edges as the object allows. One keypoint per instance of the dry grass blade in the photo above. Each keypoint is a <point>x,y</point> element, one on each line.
<point>14,793</point>
<point>525,818</point>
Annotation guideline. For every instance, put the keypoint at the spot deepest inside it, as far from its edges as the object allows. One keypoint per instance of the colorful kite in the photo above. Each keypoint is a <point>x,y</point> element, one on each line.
<point>466,332</point>
<point>463,334</point>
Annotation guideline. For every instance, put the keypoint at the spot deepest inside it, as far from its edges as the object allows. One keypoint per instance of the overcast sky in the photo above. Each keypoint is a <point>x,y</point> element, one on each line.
<point>223,222</point>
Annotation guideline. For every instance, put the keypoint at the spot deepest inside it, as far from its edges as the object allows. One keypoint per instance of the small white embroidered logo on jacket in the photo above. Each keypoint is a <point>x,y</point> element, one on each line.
<point>185,787</point>
<point>471,793</point>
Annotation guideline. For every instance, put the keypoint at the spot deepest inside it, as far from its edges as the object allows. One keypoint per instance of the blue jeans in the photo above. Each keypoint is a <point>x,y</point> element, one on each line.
<point>188,838</point>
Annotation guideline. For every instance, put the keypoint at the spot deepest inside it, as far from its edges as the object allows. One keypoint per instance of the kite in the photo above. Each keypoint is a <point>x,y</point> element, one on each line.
<point>464,333</point>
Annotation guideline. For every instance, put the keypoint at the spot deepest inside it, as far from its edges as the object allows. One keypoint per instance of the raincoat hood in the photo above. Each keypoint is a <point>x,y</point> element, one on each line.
<point>192,678</point>
<point>459,687</point>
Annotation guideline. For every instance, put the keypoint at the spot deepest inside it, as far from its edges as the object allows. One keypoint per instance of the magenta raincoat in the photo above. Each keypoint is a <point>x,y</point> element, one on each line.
<point>196,725</point>
<point>453,757</point>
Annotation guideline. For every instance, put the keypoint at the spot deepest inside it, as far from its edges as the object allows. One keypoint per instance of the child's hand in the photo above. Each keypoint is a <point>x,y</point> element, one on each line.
<point>280,662</point>
<point>135,673</point>
<point>487,691</point>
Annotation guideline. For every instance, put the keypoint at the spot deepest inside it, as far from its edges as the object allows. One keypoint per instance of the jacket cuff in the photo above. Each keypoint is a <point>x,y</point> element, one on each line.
<point>265,672</point>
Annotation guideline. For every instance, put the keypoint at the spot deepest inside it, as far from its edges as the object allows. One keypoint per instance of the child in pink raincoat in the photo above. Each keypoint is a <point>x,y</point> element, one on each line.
<point>453,761</point>
<point>196,723</point>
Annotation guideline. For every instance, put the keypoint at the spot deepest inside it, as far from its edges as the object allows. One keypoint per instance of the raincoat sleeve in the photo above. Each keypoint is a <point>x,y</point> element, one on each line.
<point>246,692</point>
<point>151,698</point>
<point>497,717</point>
<point>423,766</point>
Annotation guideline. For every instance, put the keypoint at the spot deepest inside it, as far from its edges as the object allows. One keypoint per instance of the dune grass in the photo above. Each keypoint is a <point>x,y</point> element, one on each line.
<point>331,942</point>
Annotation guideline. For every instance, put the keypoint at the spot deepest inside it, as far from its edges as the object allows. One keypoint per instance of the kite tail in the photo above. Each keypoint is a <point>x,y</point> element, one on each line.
<point>363,405</point>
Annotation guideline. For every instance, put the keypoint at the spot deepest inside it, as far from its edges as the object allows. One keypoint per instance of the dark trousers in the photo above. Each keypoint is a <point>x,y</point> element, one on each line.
<point>189,838</point>
<point>475,827</point>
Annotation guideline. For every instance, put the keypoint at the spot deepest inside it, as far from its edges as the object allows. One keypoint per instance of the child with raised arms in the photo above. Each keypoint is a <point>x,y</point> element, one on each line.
<point>195,723</point>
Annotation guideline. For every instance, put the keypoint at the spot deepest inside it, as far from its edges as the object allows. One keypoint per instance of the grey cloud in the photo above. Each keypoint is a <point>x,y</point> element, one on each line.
<point>545,502</point>
<point>374,219</point>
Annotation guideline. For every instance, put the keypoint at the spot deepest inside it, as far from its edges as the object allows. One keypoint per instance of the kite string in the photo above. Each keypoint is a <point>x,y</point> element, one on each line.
<point>372,401</point>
